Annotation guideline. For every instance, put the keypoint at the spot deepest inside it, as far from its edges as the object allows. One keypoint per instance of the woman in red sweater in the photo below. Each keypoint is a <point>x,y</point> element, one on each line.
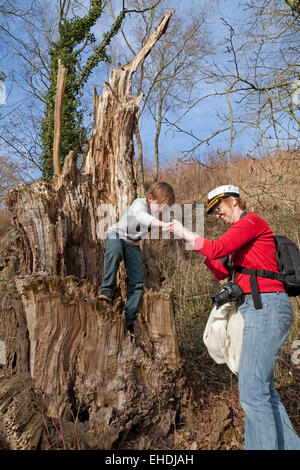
<point>267,317</point>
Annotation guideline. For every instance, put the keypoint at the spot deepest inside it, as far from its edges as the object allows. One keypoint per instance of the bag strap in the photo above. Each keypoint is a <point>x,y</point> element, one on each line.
<point>253,285</point>
<point>253,281</point>
<point>230,267</point>
<point>260,273</point>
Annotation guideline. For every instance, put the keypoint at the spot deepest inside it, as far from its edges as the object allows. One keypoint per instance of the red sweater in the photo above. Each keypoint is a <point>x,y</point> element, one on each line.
<point>251,243</point>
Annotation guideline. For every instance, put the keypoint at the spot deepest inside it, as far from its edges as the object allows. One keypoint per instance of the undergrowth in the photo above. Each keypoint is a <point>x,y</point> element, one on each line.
<point>193,284</point>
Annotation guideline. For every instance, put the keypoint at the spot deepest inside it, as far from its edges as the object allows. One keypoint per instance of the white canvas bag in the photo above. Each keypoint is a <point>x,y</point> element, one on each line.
<point>223,335</point>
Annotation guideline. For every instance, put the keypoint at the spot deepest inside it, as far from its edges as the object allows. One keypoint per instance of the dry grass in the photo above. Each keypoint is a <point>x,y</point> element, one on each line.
<point>5,220</point>
<point>271,188</point>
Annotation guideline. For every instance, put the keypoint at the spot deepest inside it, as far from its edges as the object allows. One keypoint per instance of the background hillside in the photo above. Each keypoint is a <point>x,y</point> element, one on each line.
<point>212,418</point>
<point>271,188</point>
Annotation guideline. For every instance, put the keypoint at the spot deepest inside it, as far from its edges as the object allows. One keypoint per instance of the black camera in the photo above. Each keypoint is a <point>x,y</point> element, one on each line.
<point>231,291</point>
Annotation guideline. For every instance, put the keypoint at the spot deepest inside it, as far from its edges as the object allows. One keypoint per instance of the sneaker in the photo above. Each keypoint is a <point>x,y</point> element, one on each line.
<point>130,331</point>
<point>105,297</point>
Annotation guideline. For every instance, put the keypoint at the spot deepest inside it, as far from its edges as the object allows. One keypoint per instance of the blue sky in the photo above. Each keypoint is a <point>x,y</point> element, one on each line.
<point>201,121</point>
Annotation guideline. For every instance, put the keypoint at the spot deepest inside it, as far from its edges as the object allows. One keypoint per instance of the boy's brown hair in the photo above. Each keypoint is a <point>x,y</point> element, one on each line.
<point>162,192</point>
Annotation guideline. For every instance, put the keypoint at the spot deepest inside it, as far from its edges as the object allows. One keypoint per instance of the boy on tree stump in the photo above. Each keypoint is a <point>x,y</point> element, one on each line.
<point>122,243</point>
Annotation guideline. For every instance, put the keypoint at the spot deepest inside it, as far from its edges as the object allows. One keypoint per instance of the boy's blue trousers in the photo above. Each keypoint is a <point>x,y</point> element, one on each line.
<point>117,249</point>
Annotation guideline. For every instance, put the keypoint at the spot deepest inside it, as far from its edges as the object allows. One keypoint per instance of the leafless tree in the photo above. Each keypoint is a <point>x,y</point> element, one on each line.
<point>168,77</point>
<point>26,31</point>
<point>27,35</point>
<point>10,175</point>
<point>257,78</point>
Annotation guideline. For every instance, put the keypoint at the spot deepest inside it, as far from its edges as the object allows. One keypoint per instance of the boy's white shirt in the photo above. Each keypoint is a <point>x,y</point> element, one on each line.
<point>134,223</point>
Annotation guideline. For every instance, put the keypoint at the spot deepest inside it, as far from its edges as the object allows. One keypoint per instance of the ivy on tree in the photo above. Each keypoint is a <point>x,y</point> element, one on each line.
<point>73,32</point>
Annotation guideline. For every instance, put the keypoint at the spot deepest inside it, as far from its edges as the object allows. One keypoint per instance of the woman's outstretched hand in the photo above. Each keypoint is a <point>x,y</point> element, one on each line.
<point>178,229</point>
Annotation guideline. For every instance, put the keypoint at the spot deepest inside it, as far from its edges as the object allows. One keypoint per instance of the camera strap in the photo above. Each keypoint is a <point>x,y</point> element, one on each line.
<point>253,283</point>
<point>231,270</point>
<point>228,264</point>
<point>253,280</point>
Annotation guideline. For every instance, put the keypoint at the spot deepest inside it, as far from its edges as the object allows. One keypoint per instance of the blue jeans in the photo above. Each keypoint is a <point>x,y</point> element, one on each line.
<point>267,425</point>
<point>117,249</point>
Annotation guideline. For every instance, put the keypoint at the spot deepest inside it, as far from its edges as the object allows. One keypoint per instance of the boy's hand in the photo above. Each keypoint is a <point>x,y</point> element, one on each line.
<point>159,223</point>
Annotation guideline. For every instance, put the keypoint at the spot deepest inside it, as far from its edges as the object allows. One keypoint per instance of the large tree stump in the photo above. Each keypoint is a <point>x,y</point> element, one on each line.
<point>80,353</point>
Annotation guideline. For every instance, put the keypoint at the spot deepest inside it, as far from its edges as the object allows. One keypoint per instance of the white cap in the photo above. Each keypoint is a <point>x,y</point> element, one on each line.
<point>221,192</point>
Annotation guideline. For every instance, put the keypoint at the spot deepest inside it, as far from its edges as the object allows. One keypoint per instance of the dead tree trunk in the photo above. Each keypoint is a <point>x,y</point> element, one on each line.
<point>79,352</point>
<point>61,82</point>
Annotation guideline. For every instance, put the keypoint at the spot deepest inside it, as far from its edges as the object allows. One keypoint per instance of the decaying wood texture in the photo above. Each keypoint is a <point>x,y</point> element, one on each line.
<point>60,89</point>
<point>76,350</point>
